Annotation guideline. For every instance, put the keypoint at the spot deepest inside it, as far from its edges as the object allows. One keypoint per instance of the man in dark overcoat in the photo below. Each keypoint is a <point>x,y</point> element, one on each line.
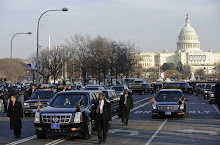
<point>102,117</point>
<point>217,94</point>
<point>15,114</point>
<point>126,105</point>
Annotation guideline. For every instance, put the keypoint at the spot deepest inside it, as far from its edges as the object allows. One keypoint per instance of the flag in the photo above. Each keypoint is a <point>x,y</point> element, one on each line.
<point>38,104</point>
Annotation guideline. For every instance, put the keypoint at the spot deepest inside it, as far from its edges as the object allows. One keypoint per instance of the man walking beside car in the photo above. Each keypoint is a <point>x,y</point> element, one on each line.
<point>102,117</point>
<point>217,94</point>
<point>126,104</point>
<point>15,114</point>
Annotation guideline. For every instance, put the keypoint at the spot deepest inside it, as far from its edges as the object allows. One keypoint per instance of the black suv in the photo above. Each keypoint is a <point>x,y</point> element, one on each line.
<point>169,102</point>
<point>147,88</point>
<point>69,112</point>
<point>44,96</point>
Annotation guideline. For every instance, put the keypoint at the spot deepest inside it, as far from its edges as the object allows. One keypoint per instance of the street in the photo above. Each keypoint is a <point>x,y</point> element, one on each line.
<point>201,126</point>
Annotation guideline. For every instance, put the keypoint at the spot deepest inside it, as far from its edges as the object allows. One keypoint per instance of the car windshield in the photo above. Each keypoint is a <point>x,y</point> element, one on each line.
<point>213,89</point>
<point>208,86</point>
<point>168,96</point>
<point>69,100</point>
<point>42,95</point>
<point>118,88</point>
<point>185,84</point>
<point>145,85</point>
<point>92,88</point>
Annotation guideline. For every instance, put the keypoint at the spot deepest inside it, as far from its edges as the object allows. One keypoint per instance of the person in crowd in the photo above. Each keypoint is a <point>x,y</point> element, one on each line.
<point>64,88</point>
<point>31,90</point>
<point>217,94</point>
<point>102,117</point>
<point>126,104</point>
<point>15,114</point>
<point>6,96</point>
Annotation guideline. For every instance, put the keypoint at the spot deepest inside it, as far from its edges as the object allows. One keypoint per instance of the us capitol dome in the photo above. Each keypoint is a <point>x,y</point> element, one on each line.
<point>188,52</point>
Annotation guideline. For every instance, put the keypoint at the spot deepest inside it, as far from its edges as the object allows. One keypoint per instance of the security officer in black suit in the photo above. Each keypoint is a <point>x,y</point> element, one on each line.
<point>15,114</point>
<point>126,104</point>
<point>102,117</point>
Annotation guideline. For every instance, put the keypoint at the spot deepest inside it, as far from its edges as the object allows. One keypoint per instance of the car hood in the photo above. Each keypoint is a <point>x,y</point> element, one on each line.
<point>50,109</point>
<point>35,101</point>
<point>166,103</point>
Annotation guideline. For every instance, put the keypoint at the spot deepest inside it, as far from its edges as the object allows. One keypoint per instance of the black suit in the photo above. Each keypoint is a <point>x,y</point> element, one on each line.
<point>126,107</point>
<point>15,113</point>
<point>102,120</point>
<point>217,95</point>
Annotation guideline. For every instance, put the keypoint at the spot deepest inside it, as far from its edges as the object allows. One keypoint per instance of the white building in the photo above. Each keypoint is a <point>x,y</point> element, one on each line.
<point>188,52</point>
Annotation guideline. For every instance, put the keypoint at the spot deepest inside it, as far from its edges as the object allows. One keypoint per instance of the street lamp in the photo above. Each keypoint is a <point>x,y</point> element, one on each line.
<point>37,63</point>
<point>29,33</point>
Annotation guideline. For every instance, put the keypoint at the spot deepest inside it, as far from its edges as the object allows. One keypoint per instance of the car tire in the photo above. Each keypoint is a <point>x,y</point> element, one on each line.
<point>87,131</point>
<point>27,114</point>
<point>210,102</point>
<point>41,136</point>
<point>154,116</point>
<point>184,116</point>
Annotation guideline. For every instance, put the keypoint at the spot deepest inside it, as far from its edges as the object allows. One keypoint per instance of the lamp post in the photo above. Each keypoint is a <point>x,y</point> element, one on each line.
<point>37,63</point>
<point>29,33</point>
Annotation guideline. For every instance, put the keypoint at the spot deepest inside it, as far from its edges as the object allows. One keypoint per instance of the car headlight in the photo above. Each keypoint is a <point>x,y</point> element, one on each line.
<point>37,117</point>
<point>121,93</point>
<point>77,117</point>
<point>212,95</point>
<point>205,91</point>
<point>26,104</point>
<point>154,106</point>
<point>182,106</point>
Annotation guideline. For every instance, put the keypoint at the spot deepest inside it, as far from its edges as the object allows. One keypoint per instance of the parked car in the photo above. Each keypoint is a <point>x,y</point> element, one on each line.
<point>44,96</point>
<point>69,112</point>
<point>199,87</point>
<point>90,86</point>
<point>112,97</point>
<point>94,88</point>
<point>169,102</point>
<point>211,95</point>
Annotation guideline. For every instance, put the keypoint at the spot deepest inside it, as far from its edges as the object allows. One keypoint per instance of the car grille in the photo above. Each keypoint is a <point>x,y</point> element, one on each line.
<point>168,107</point>
<point>56,118</point>
<point>56,130</point>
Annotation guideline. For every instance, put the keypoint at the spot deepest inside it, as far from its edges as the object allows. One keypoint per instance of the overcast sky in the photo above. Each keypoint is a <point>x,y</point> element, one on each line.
<point>153,25</point>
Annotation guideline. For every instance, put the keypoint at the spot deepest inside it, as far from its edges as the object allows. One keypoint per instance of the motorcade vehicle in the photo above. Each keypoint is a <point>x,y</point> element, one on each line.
<point>147,88</point>
<point>113,98</point>
<point>94,88</point>
<point>169,102</point>
<point>42,95</point>
<point>69,113</point>
<point>136,88</point>
<point>211,95</point>
<point>50,86</point>
<point>199,87</point>
<point>90,86</point>
<point>206,90</point>
<point>119,89</point>
<point>186,88</point>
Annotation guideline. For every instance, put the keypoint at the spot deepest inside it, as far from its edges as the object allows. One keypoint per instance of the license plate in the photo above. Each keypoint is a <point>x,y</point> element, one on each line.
<point>55,126</point>
<point>167,113</point>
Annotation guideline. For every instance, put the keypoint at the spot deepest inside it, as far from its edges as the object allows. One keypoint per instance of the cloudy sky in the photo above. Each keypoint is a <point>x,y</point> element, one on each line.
<point>153,25</point>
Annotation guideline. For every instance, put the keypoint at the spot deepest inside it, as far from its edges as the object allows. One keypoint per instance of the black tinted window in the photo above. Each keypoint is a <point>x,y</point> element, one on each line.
<point>118,88</point>
<point>69,100</point>
<point>168,96</point>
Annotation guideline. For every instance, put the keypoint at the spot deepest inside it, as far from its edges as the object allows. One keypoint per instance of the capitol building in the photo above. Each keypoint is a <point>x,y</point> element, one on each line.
<point>188,52</point>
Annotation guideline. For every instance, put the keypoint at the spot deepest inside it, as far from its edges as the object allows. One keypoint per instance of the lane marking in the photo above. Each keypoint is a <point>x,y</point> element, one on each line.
<point>216,108</point>
<point>197,131</point>
<point>142,100</point>
<point>59,140</point>
<point>22,140</point>
<point>155,134</point>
